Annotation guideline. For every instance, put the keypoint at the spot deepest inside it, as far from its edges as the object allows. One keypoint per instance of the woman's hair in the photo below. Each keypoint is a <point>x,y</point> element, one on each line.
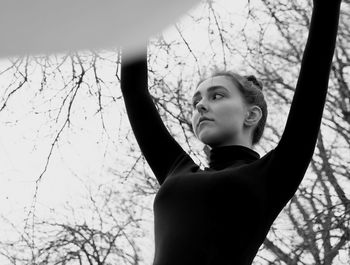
<point>251,91</point>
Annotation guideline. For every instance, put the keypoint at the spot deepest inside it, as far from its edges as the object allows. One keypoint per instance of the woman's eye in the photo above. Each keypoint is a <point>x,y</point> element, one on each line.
<point>215,96</point>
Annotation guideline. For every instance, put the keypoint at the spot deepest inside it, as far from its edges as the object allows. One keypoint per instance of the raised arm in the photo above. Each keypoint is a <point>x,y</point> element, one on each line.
<point>295,150</point>
<point>157,145</point>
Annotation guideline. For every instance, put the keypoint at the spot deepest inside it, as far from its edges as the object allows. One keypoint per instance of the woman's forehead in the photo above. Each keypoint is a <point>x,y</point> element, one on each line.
<point>223,81</point>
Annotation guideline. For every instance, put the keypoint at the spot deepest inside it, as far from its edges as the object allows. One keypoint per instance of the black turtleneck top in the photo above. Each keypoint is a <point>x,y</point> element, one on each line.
<point>222,214</point>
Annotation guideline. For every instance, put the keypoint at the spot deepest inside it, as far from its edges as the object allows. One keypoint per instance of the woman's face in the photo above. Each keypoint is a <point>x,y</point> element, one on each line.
<point>219,100</point>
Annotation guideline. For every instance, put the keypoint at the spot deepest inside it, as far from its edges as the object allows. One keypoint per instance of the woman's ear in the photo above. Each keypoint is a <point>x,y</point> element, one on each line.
<point>253,116</point>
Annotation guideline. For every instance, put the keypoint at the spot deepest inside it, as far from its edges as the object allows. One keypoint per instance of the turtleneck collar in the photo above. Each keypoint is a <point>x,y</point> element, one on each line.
<point>224,156</point>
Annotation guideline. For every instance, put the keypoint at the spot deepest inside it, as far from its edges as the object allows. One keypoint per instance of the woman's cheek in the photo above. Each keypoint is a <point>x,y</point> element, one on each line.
<point>193,119</point>
<point>228,117</point>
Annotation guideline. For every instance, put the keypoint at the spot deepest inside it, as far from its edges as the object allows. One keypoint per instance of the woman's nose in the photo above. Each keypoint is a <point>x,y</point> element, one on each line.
<point>201,106</point>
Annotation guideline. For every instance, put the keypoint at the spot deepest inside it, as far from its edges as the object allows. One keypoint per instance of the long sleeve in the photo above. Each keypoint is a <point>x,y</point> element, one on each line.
<point>294,152</point>
<point>157,145</point>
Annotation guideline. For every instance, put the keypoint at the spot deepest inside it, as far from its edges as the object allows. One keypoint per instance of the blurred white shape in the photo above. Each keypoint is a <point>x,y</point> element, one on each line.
<point>54,26</point>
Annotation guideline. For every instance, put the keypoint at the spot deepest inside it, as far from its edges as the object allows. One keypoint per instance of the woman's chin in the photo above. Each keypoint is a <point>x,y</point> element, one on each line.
<point>208,138</point>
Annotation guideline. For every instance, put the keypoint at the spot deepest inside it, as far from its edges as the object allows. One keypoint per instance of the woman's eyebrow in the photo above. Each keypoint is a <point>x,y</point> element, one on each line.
<point>210,89</point>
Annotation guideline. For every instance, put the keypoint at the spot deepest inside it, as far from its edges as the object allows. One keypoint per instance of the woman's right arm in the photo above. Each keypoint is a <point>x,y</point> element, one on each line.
<point>157,145</point>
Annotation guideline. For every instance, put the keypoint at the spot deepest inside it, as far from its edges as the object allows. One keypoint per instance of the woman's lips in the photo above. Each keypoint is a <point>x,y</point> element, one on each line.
<point>204,121</point>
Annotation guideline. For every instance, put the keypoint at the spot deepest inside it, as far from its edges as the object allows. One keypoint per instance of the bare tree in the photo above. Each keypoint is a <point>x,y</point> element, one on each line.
<point>319,213</point>
<point>104,231</point>
<point>269,42</point>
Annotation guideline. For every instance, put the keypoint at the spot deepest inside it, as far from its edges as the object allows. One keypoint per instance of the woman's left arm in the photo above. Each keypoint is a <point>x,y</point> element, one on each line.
<point>295,150</point>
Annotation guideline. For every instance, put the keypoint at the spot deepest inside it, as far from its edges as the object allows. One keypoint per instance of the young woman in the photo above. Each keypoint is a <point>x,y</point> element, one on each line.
<point>221,215</point>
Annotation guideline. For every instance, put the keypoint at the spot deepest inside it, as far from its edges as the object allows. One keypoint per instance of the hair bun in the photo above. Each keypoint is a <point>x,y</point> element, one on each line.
<point>255,81</point>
